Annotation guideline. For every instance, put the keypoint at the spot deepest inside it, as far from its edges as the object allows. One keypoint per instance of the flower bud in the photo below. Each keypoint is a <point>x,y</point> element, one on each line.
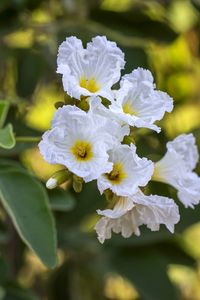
<point>77,183</point>
<point>58,178</point>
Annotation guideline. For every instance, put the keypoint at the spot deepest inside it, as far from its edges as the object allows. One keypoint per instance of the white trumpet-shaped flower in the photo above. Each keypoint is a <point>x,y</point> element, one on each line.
<point>129,213</point>
<point>80,141</point>
<point>176,168</point>
<point>138,103</point>
<point>90,71</point>
<point>128,173</point>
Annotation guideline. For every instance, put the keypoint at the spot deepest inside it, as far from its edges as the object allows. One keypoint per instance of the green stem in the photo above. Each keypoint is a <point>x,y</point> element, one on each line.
<point>28,139</point>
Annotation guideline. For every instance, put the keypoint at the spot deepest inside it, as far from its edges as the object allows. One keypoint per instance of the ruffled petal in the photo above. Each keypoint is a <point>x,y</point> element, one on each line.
<point>189,190</point>
<point>185,146</point>
<point>130,171</point>
<point>129,213</point>
<point>155,210</point>
<point>90,71</point>
<point>138,103</point>
<point>70,126</point>
<point>175,168</point>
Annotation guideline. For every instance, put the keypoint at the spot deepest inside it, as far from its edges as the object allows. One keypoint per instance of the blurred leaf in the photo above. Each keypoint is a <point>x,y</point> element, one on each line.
<point>147,270</point>
<point>16,293</point>
<point>30,66</point>
<point>87,202</point>
<point>4,106</point>
<point>133,24</point>
<point>61,200</point>
<point>2,293</point>
<point>26,203</point>
<point>196,4</point>
<point>3,270</point>
<point>7,139</point>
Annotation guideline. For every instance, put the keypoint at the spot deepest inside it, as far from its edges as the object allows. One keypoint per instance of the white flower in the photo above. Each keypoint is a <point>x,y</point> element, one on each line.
<point>138,103</point>
<point>97,108</point>
<point>176,169</point>
<point>80,141</point>
<point>131,212</point>
<point>128,173</point>
<point>90,71</point>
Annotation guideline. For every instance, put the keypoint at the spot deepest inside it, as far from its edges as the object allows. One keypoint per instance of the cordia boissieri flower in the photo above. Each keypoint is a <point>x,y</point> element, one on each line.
<point>129,171</point>
<point>90,71</point>
<point>80,142</point>
<point>129,213</point>
<point>176,168</point>
<point>138,103</point>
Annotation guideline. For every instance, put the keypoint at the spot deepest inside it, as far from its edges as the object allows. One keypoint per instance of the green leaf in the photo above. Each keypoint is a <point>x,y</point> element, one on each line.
<point>26,202</point>
<point>7,139</point>
<point>61,200</point>
<point>4,106</point>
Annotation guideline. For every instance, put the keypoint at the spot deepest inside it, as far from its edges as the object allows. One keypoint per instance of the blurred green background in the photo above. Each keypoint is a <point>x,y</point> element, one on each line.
<point>163,36</point>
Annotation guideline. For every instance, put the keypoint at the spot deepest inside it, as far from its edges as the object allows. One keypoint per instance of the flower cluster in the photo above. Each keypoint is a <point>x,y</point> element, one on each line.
<point>91,136</point>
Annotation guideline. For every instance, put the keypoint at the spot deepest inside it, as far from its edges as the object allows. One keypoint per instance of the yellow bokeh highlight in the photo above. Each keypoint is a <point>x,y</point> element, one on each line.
<point>41,16</point>
<point>20,39</point>
<point>190,235</point>
<point>119,288</point>
<point>183,119</point>
<point>116,5</point>
<point>35,162</point>
<point>187,279</point>
<point>41,112</point>
<point>182,15</point>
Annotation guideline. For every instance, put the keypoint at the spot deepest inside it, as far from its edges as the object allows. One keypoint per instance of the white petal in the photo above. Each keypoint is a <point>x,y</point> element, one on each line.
<point>189,190</point>
<point>141,78</point>
<point>70,124</point>
<point>127,225</point>
<point>185,146</point>
<point>175,168</point>
<point>136,171</point>
<point>155,210</point>
<point>144,105</point>
<point>101,61</point>
<point>122,206</point>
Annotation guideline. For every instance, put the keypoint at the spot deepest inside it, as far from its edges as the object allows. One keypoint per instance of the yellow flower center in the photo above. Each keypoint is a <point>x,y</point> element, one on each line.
<point>128,108</point>
<point>89,84</point>
<point>82,150</point>
<point>117,175</point>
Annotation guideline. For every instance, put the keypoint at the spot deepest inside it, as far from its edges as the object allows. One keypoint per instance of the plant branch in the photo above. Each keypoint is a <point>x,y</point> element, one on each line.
<point>27,139</point>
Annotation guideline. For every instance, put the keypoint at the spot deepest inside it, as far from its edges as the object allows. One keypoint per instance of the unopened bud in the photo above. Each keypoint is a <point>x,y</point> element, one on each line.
<point>77,183</point>
<point>128,139</point>
<point>58,178</point>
